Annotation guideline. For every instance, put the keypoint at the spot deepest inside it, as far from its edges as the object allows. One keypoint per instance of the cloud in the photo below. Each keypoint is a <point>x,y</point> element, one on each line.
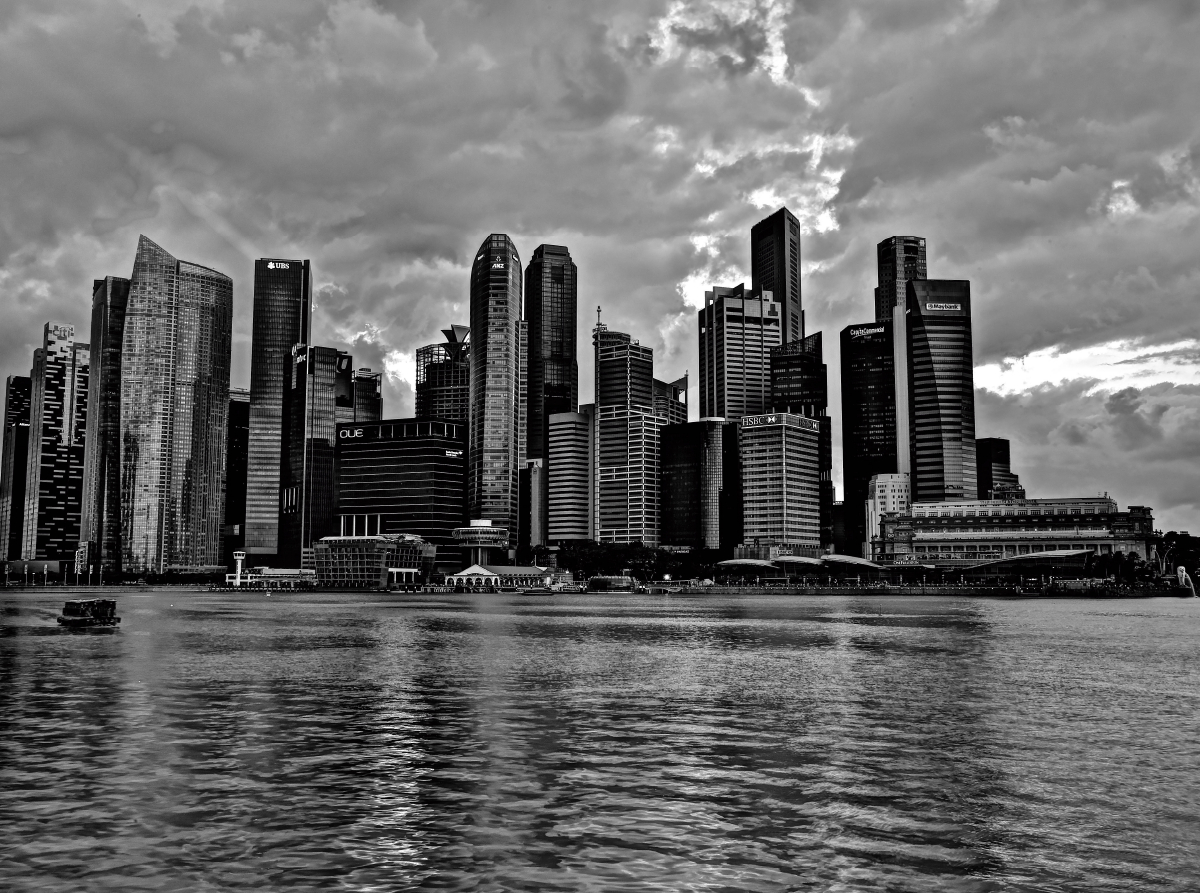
<point>1047,151</point>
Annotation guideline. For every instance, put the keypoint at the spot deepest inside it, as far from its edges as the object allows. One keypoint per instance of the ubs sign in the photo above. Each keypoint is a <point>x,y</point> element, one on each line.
<point>277,265</point>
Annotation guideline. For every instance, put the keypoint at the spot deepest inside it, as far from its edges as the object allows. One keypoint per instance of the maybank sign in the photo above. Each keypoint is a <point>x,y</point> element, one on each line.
<point>933,306</point>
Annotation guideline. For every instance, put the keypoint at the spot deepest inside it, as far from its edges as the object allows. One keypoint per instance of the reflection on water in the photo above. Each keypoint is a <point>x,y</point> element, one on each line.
<point>601,743</point>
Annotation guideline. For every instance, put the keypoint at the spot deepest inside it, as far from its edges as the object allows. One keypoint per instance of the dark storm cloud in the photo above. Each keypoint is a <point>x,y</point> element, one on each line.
<point>1048,151</point>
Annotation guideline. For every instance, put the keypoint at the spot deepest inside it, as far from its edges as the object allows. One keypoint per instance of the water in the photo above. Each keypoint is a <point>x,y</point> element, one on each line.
<point>356,742</point>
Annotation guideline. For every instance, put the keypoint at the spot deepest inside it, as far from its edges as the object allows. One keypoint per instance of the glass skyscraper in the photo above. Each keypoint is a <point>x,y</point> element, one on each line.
<point>551,308</point>
<point>493,444</point>
<point>100,525</point>
<point>174,400</point>
<point>57,434</point>
<point>868,419</point>
<point>898,259</point>
<point>282,305</point>
<point>237,447</point>
<point>15,465</point>
<point>941,390</point>
<point>775,267</point>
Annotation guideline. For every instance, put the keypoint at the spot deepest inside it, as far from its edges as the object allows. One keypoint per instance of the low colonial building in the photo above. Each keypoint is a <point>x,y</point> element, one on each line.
<point>965,532</point>
<point>373,562</point>
<point>495,577</point>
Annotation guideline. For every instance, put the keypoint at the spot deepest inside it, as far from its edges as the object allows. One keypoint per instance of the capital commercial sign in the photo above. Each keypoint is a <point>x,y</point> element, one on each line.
<point>859,333</point>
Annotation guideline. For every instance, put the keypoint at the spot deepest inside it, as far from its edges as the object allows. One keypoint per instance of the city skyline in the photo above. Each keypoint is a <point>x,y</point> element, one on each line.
<point>1070,203</point>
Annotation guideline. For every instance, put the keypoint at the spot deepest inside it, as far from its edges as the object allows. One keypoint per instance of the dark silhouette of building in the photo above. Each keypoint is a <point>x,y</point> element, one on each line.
<point>941,390</point>
<point>900,258</point>
<point>493,442</point>
<point>237,447</point>
<point>57,437</point>
<point>100,523</point>
<point>737,333</point>
<point>282,307</point>
<point>693,485</point>
<point>15,465</point>
<point>404,476</point>
<point>994,470</point>
<point>368,396</point>
<point>868,420</point>
<point>775,267</point>
<point>443,388</point>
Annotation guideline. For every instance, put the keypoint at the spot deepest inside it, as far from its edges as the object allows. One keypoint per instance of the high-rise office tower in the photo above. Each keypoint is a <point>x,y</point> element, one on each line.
<point>493,445</point>
<point>368,395</point>
<point>443,389</point>
<point>737,332</point>
<point>868,419</point>
<point>994,470</point>
<point>941,390</point>
<point>100,524</point>
<point>626,441</point>
<point>899,258</point>
<point>781,482</point>
<point>775,267</point>
<point>403,476</point>
<point>670,400</point>
<point>237,451</point>
<point>174,400</point>
<point>551,313</point>
<point>57,435</point>
<point>692,484</point>
<point>321,379</point>
<point>15,465</point>
<point>282,307</point>
<point>570,475</point>
<point>800,385</point>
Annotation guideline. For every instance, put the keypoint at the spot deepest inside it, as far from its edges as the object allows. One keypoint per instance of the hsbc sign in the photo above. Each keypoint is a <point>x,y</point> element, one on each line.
<point>754,421</point>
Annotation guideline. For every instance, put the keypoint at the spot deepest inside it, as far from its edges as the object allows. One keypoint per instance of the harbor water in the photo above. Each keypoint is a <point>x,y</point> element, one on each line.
<point>223,741</point>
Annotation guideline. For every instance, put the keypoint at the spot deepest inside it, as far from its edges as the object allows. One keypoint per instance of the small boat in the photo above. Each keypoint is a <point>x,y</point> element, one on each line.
<point>88,612</point>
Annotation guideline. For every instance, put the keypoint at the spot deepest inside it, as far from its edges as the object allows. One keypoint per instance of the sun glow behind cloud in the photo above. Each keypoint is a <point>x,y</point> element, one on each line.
<point>1112,366</point>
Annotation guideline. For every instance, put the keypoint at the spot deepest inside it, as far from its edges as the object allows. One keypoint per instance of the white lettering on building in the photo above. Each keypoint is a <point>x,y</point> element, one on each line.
<point>347,433</point>
<point>274,265</point>
<point>932,306</point>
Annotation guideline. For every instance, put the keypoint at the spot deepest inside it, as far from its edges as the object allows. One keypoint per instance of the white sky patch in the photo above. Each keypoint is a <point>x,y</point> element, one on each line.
<point>400,365</point>
<point>1114,365</point>
<point>771,16</point>
<point>1121,202</point>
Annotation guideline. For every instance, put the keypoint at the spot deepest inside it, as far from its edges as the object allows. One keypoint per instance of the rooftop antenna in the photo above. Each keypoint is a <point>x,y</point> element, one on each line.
<point>597,314</point>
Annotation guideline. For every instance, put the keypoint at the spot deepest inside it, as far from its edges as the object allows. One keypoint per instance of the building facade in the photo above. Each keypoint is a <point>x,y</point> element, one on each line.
<point>282,309</point>
<point>993,466</point>
<point>368,396</point>
<point>626,440</point>
<point>781,482</point>
<point>376,561</point>
<point>941,390</point>
<point>17,393</point>
<point>57,437</point>
<point>404,476</point>
<point>237,450</point>
<point>100,521</point>
<point>443,387</point>
<point>174,399</point>
<point>868,420</point>
<point>775,268</point>
<point>692,484</point>
<point>737,334</point>
<point>964,532</point>
<point>493,442</point>
<point>551,309</point>
<point>886,494</point>
<point>899,259</point>
<point>570,475</point>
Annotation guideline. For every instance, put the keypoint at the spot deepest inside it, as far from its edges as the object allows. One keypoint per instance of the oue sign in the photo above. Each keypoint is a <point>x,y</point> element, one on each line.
<point>350,433</point>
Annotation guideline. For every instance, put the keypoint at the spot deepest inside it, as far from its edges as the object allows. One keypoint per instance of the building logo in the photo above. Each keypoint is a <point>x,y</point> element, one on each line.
<point>66,333</point>
<point>349,433</point>
<point>273,265</point>
<point>498,264</point>
<point>932,306</point>
<point>858,333</point>
<point>454,454</point>
<point>754,421</point>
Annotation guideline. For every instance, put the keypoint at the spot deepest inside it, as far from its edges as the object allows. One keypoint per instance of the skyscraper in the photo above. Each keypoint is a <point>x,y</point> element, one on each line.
<point>237,449</point>
<point>626,441</point>
<point>994,469</point>
<point>174,401</point>
<point>15,465</point>
<point>800,385</point>
<point>941,390</point>
<point>57,435</point>
<point>781,489</point>
<point>868,419</point>
<point>368,395</point>
<point>493,445</point>
<point>282,306</point>
<point>899,258</point>
<point>571,475</point>
<point>692,483</point>
<point>551,312</point>
<point>775,267</point>
<point>737,332</point>
<point>321,379</point>
<point>100,524</point>
<point>443,388</point>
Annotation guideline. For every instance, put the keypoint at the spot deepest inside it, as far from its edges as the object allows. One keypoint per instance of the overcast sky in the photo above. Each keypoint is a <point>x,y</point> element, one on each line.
<point>1047,149</point>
